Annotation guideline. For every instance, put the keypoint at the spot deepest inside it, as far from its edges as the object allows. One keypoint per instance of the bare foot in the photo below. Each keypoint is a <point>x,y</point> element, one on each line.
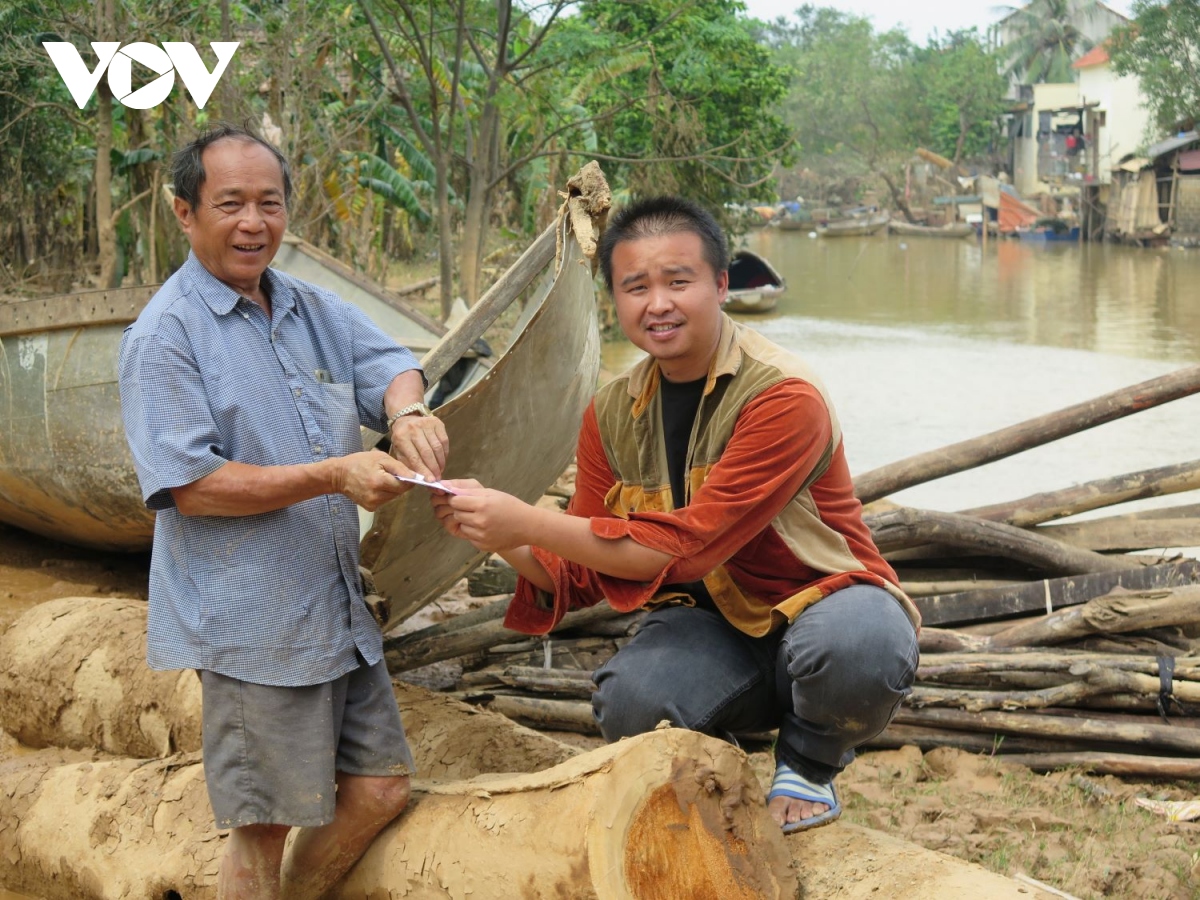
<point>787,810</point>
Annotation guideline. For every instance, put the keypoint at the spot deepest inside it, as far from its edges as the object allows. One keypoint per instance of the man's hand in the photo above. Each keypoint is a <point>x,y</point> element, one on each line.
<point>491,520</point>
<point>420,442</point>
<point>369,478</point>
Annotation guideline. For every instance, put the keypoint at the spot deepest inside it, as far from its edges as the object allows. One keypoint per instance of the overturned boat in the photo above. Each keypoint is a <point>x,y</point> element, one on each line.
<point>754,284</point>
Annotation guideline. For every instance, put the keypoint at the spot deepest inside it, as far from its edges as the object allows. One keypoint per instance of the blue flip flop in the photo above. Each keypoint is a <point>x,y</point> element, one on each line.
<point>787,783</point>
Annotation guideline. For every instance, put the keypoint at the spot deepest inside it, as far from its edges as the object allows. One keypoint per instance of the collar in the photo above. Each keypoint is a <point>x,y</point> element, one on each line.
<point>644,377</point>
<point>221,298</point>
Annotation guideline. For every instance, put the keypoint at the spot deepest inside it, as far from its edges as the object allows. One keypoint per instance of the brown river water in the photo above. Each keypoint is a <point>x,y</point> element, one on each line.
<point>924,342</point>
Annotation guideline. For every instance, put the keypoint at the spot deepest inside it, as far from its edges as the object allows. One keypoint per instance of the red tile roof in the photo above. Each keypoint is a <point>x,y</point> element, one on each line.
<point>1097,56</point>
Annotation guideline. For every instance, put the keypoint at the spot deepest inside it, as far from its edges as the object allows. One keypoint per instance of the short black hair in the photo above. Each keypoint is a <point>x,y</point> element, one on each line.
<point>656,216</point>
<point>187,167</point>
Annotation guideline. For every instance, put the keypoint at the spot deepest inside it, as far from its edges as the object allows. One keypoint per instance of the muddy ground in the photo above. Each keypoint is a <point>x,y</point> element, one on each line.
<point>1081,834</point>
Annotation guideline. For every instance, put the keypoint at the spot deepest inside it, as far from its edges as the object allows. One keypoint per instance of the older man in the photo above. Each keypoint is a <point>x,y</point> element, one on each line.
<point>242,391</point>
<point>712,485</point>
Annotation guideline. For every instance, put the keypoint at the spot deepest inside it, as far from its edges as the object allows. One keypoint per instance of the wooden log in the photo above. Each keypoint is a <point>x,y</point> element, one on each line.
<point>419,287</point>
<point>404,653</point>
<point>1108,731</point>
<point>943,640</point>
<point>1046,506</point>
<point>671,813</point>
<point>571,682</point>
<point>538,712</point>
<point>1031,433</point>
<point>1126,765</point>
<point>1054,593</point>
<point>927,738</point>
<point>952,665</point>
<point>489,612</point>
<point>75,675</point>
<point>1113,613</point>
<point>906,527</point>
<point>1121,534</point>
<point>495,576</point>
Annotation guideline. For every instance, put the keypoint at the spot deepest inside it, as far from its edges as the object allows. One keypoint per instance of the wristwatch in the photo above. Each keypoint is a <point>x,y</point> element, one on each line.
<point>413,409</point>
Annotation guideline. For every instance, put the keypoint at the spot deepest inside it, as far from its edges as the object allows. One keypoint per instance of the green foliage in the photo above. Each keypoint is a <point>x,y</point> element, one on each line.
<point>1162,48</point>
<point>684,92</point>
<point>960,95</point>
<point>1046,39</point>
<point>379,177</point>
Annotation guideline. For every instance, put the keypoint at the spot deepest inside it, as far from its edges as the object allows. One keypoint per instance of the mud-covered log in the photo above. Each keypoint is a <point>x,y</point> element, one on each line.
<point>667,814</point>
<point>907,527</point>
<point>1024,435</point>
<point>1044,507</point>
<point>950,665</point>
<point>74,674</point>
<point>538,712</point>
<point>944,640</point>
<point>1111,614</point>
<point>928,737</point>
<point>1122,534</point>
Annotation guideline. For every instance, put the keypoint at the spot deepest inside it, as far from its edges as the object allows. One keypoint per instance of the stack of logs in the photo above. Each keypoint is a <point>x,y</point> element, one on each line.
<point>1055,645</point>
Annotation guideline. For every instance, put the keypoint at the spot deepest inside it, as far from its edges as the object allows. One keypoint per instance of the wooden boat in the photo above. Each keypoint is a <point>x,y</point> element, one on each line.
<point>66,472</point>
<point>954,230</point>
<point>754,285</point>
<point>65,469</point>
<point>858,226</point>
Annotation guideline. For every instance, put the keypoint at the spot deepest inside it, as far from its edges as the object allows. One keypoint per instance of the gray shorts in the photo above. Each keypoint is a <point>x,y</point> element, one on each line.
<point>271,754</point>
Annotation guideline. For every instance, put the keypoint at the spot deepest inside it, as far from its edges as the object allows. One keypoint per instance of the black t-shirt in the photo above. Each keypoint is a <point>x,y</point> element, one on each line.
<point>680,402</point>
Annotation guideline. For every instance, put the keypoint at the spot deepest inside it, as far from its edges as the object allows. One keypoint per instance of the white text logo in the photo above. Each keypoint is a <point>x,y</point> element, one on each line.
<point>171,58</point>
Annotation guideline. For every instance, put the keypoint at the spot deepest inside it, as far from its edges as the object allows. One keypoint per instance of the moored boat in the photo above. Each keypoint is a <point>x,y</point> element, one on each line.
<point>754,284</point>
<point>954,230</point>
<point>857,226</point>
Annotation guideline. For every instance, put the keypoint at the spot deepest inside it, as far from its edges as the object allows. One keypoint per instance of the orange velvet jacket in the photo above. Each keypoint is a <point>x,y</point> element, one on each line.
<point>771,524</point>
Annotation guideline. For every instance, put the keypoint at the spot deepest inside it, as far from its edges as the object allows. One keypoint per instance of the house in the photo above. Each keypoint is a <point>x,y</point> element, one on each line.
<point>1156,197</point>
<point>1044,133</point>
<point>1119,122</point>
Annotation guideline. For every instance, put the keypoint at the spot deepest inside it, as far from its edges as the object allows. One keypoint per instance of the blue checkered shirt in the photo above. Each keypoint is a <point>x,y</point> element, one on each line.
<point>205,378</point>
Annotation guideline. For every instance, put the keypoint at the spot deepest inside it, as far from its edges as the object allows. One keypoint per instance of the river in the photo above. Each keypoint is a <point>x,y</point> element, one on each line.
<point>922,342</point>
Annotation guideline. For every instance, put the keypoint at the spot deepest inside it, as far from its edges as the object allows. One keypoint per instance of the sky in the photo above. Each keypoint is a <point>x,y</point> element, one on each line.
<point>918,17</point>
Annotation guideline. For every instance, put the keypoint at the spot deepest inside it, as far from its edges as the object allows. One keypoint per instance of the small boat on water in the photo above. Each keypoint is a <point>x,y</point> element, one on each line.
<point>954,230</point>
<point>754,285</point>
<point>857,226</point>
<point>66,471</point>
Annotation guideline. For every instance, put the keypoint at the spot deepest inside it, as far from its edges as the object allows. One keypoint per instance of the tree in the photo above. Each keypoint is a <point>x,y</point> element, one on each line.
<point>1162,48</point>
<point>1046,39</point>
<point>962,92</point>
<point>855,96</point>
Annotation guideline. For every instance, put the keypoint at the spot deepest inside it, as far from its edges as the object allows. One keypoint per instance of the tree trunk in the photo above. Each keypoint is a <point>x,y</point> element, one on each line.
<point>898,199</point>
<point>106,233</point>
<point>671,813</point>
<point>445,233</point>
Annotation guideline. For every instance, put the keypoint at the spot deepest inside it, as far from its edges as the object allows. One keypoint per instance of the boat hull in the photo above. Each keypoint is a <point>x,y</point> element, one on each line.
<point>956,231</point>
<point>514,430</point>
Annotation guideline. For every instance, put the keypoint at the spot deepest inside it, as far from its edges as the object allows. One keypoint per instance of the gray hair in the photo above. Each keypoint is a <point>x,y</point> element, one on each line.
<point>187,167</point>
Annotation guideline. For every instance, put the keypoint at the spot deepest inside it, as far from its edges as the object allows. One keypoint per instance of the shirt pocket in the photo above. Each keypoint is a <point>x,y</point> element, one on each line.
<point>341,415</point>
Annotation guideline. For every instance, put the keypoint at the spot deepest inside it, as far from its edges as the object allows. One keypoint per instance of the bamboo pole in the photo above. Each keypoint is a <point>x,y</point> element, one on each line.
<point>1031,433</point>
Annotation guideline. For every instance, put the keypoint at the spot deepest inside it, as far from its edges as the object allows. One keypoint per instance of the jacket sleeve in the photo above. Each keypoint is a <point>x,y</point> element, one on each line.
<point>534,611</point>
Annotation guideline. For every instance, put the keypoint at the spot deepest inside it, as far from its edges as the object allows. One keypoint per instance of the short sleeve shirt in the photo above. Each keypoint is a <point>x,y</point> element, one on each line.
<point>206,377</point>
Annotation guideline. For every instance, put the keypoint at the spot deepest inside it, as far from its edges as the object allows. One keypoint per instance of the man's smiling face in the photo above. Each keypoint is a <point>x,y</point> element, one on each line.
<point>238,223</point>
<point>668,301</point>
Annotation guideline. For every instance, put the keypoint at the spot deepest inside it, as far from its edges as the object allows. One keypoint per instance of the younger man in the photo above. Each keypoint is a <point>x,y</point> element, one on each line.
<point>712,486</point>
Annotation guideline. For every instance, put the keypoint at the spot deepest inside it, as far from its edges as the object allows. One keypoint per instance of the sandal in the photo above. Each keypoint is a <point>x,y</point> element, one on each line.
<point>787,783</point>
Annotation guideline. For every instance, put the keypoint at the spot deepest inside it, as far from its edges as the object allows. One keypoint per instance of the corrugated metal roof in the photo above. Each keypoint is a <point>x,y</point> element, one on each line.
<point>1180,140</point>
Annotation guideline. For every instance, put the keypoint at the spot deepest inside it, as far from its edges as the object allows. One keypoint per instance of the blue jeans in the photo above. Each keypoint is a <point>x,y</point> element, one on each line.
<point>830,681</point>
